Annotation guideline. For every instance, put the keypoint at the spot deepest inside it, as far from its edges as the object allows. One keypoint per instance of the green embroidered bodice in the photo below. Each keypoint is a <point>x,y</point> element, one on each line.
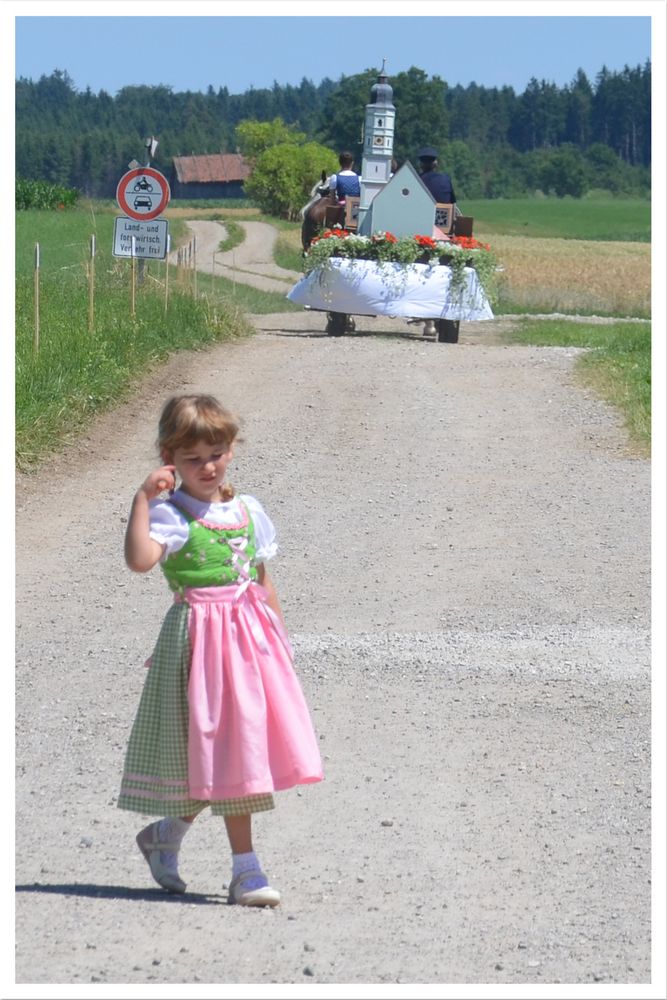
<point>212,556</point>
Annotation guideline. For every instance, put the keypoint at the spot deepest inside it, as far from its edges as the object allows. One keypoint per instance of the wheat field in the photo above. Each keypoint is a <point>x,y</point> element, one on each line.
<point>560,275</point>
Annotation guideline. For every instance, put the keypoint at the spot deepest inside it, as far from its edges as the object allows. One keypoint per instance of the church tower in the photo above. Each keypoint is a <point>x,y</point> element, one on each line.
<point>378,146</point>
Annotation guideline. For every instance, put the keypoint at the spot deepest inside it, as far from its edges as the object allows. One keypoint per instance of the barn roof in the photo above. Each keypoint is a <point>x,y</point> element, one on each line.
<point>211,167</point>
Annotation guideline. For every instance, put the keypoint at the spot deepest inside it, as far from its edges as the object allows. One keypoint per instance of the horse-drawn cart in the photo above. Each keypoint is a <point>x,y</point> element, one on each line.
<point>344,288</point>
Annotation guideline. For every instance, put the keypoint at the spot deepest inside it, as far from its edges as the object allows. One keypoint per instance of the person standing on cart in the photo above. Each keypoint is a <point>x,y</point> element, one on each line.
<point>439,184</point>
<point>441,187</point>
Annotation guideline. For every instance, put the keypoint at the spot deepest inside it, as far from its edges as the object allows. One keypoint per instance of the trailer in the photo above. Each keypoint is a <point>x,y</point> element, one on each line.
<point>344,288</point>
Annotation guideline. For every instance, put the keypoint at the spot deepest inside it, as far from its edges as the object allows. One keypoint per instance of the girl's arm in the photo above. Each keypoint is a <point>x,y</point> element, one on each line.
<point>264,579</point>
<point>141,551</point>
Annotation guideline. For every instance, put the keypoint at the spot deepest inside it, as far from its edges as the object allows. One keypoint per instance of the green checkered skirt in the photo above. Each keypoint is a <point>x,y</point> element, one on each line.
<point>155,776</point>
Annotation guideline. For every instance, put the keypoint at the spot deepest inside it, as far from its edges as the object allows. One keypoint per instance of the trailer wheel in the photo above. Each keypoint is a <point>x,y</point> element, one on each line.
<point>447,331</point>
<point>336,324</point>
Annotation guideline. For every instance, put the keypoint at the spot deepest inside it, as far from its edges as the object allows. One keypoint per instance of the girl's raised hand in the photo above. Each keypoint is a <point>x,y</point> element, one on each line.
<point>158,481</point>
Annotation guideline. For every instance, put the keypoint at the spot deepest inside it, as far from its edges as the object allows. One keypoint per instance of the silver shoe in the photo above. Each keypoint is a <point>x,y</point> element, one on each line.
<point>262,896</point>
<point>163,870</point>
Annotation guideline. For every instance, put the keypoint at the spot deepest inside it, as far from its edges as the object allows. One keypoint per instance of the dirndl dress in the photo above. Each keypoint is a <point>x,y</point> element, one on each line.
<point>222,720</point>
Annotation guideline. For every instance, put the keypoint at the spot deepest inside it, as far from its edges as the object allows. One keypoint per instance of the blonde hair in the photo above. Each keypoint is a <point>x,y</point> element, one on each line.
<point>186,420</point>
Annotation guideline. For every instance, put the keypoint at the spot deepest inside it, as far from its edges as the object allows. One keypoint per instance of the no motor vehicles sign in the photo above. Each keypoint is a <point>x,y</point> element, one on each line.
<point>143,193</point>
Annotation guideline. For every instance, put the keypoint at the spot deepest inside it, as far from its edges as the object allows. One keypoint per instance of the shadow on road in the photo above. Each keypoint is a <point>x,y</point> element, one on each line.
<point>91,890</point>
<point>286,331</point>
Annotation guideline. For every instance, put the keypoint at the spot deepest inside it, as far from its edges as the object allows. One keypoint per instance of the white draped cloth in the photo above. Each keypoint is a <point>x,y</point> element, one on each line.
<point>371,288</point>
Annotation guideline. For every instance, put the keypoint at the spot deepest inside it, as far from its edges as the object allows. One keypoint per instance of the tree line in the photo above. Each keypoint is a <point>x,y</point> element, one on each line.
<point>495,142</point>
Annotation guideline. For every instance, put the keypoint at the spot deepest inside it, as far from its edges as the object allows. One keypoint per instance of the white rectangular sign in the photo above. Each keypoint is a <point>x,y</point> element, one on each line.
<point>150,238</point>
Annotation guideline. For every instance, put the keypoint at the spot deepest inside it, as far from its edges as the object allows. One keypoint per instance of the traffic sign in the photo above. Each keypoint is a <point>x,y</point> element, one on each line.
<point>143,193</point>
<point>140,239</point>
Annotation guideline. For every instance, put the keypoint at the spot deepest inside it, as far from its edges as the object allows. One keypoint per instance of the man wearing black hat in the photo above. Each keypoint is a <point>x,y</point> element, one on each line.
<point>440,185</point>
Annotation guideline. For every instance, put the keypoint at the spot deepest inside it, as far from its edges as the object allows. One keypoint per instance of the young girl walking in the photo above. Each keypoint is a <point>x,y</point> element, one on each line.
<point>222,720</point>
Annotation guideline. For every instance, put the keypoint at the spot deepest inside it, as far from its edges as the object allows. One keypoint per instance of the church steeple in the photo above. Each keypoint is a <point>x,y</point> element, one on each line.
<point>378,142</point>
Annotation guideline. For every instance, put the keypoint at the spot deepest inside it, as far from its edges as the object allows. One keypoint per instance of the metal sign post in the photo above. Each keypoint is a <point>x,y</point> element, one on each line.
<point>91,285</point>
<point>36,286</point>
<point>133,294</point>
<point>166,275</point>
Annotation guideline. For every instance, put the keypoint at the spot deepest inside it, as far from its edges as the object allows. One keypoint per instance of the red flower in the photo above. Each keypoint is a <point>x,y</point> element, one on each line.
<point>425,241</point>
<point>470,243</point>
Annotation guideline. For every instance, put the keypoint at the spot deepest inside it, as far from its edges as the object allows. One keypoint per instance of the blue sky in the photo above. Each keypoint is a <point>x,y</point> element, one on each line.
<point>207,47</point>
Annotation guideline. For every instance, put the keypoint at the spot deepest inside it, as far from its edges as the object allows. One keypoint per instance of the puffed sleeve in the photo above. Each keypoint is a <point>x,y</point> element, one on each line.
<point>167,526</point>
<point>265,532</point>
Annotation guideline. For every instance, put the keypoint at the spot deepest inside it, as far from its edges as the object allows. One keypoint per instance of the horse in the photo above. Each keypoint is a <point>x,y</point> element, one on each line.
<point>322,209</point>
<point>318,190</point>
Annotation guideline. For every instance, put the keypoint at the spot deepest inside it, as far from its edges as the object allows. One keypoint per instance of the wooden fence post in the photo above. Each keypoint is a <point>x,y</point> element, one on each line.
<point>36,299</point>
<point>91,285</point>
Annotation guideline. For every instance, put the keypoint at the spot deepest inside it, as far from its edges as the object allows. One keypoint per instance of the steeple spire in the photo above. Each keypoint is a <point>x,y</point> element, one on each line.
<point>381,92</point>
<point>378,144</point>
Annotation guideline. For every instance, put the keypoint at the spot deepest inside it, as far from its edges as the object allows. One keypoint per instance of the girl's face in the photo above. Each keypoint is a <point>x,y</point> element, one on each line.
<point>202,468</point>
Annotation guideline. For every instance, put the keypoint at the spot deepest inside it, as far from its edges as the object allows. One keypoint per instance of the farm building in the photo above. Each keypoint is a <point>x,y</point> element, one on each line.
<point>213,175</point>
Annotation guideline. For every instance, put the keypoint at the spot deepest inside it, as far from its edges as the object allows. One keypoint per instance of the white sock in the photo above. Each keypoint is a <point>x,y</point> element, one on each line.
<point>172,829</point>
<point>244,863</point>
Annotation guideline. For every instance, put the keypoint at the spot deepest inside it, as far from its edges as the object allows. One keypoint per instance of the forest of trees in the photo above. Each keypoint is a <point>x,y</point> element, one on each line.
<point>494,142</point>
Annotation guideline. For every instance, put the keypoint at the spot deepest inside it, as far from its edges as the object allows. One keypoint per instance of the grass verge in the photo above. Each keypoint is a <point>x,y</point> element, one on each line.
<point>288,253</point>
<point>74,373</point>
<point>617,365</point>
<point>227,294</point>
<point>235,235</point>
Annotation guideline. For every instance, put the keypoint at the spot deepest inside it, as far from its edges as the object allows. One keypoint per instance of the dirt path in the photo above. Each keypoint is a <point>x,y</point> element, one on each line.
<point>464,568</point>
<point>250,263</point>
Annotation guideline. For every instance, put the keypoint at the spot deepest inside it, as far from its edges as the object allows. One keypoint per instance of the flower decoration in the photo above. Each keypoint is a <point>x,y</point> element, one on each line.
<point>469,243</point>
<point>455,252</point>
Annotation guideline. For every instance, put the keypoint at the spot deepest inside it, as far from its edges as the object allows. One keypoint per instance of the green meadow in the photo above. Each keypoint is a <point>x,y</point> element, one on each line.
<point>620,220</point>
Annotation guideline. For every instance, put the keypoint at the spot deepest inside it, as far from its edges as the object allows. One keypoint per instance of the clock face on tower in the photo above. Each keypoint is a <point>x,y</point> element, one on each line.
<point>379,140</point>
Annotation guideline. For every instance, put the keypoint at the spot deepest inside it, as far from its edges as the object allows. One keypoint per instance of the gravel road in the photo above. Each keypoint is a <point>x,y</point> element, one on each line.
<point>464,569</point>
<point>249,263</point>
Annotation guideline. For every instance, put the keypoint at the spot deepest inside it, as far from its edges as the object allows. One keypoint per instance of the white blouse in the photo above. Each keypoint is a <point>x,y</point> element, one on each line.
<point>169,527</point>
